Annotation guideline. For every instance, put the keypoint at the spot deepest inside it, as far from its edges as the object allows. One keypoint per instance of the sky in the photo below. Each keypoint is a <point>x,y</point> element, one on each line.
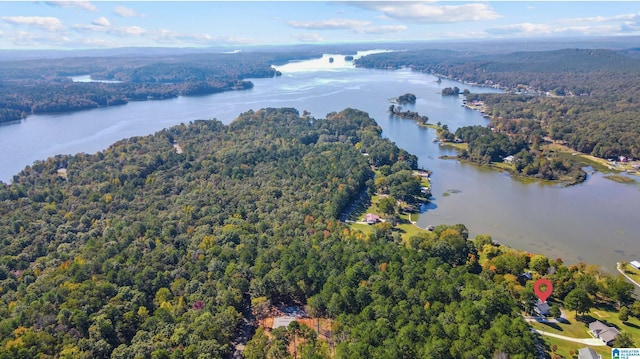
<point>107,24</point>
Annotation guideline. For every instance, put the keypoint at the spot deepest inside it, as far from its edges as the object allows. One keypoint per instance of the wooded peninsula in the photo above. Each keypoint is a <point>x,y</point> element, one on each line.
<point>37,86</point>
<point>147,251</point>
<point>584,98</point>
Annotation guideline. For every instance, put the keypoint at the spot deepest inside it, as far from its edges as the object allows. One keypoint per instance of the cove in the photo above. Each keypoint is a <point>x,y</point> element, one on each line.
<point>595,222</point>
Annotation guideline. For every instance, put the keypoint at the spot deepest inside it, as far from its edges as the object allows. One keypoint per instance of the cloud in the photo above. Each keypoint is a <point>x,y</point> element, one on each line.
<point>308,38</point>
<point>101,21</point>
<point>29,39</point>
<point>430,13</point>
<point>81,4</point>
<point>332,24</point>
<point>522,29</point>
<point>388,29</point>
<point>617,18</point>
<point>128,31</point>
<point>43,22</point>
<point>356,26</point>
<point>126,12</point>
<point>530,29</point>
<point>165,36</point>
<point>103,25</point>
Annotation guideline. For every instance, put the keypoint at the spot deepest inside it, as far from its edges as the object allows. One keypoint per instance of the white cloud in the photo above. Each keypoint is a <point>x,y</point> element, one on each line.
<point>101,21</point>
<point>522,29</point>
<point>617,18</point>
<point>89,28</point>
<point>129,31</point>
<point>356,26</point>
<point>89,42</point>
<point>332,24</point>
<point>29,39</point>
<point>530,29</point>
<point>81,4</point>
<point>388,29</point>
<point>165,36</point>
<point>308,37</point>
<point>126,12</point>
<point>103,25</point>
<point>42,22</point>
<point>431,13</point>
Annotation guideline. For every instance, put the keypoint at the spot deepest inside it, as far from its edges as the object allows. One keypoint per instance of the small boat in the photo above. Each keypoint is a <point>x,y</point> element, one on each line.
<point>436,140</point>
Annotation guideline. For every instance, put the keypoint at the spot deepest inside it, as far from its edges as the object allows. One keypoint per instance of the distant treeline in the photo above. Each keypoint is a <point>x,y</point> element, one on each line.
<point>586,98</point>
<point>43,86</point>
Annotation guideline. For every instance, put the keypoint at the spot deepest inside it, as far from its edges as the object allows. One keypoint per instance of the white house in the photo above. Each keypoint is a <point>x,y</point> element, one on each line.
<point>588,353</point>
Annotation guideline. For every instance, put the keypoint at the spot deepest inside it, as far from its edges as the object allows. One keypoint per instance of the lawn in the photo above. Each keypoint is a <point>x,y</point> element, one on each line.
<point>563,347</point>
<point>632,272</point>
<point>579,329</point>
<point>405,227</point>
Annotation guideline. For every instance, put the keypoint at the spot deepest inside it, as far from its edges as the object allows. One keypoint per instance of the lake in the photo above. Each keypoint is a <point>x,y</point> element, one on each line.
<point>595,222</point>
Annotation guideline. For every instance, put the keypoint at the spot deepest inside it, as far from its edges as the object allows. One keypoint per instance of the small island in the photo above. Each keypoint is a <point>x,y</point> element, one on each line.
<point>448,91</point>
<point>407,98</point>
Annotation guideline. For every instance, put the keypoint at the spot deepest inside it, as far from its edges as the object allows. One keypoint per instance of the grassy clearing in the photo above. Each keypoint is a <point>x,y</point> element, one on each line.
<point>503,165</point>
<point>632,272</point>
<point>579,328</point>
<point>405,226</point>
<point>564,348</point>
<point>458,146</point>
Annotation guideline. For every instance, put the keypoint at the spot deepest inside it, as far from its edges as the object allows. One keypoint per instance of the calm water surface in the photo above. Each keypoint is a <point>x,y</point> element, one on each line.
<point>596,222</point>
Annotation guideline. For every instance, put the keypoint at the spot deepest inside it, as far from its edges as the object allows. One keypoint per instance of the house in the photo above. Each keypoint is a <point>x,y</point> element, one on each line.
<point>541,308</point>
<point>588,353</point>
<point>371,218</point>
<point>524,277</point>
<point>603,332</point>
<point>635,264</point>
<point>508,159</point>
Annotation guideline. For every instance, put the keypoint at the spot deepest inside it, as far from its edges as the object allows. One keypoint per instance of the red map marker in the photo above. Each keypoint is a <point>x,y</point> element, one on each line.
<point>543,295</point>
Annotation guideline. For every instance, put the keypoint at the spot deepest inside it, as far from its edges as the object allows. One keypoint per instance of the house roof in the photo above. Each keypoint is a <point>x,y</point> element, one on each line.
<point>609,335</point>
<point>636,264</point>
<point>370,217</point>
<point>605,333</point>
<point>587,353</point>
<point>543,307</point>
<point>597,326</point>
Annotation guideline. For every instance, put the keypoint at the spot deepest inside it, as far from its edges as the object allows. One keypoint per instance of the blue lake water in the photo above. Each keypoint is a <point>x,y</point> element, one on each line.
<point>594,222</point>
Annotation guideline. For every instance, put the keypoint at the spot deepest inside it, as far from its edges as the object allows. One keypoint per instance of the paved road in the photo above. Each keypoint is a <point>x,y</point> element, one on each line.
<point>587,341</point>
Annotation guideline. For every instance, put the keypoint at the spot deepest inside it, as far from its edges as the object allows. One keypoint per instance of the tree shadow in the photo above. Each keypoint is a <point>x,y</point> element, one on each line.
<point>585,318</point>
<point>632,325</point>
<point>551,325</point>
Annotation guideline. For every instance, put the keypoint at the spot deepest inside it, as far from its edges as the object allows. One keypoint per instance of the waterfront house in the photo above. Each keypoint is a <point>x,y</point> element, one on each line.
<point>542,309</point>
<point>603,332</point>
<point>635,264</point>
<point>371,218</point>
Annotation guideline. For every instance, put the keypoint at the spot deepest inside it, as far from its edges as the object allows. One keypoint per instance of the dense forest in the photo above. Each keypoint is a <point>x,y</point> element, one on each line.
<point>140,251</point>
<point>586,98</point>
<point>44,85</point>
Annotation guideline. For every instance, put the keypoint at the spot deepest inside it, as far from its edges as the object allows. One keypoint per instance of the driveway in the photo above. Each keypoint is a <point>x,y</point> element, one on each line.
<point>587,341</point>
